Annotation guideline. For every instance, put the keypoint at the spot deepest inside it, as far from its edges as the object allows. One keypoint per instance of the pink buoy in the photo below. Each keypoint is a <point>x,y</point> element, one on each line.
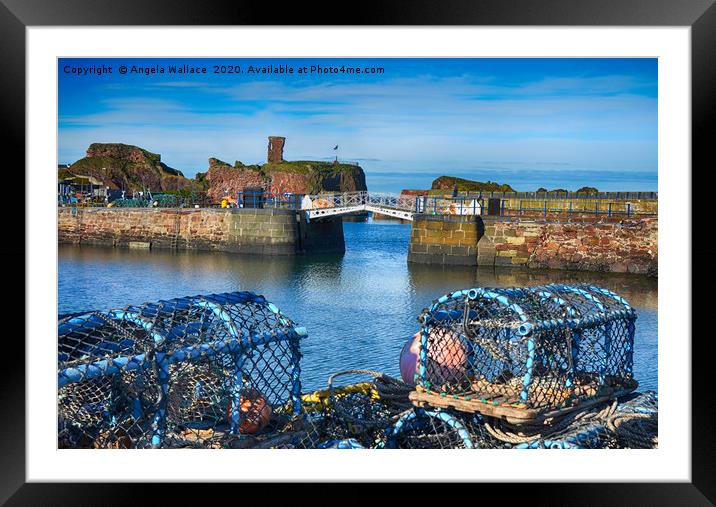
<point>409,359</point>
<point>446,351</point>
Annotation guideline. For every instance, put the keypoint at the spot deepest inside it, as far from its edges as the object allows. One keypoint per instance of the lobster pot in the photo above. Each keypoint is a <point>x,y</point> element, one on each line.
<point>523,353</point>
<point>439,429</point>
<point>591,435</point>
<point>201,371</point>
<point>349,413</point>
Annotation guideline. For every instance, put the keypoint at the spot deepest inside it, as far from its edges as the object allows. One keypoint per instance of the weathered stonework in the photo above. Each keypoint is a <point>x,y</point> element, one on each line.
<point>444,240</point>
<point>627,246</point>
<point>250,231</point>
<point>275,149</point>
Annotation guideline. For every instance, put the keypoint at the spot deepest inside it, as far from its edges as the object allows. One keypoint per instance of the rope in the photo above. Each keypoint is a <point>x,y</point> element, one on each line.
<point>372,373</point>
<point>518,434</point>
<point>391,391</point>
<point>388,388</point>
<point>640,432</point>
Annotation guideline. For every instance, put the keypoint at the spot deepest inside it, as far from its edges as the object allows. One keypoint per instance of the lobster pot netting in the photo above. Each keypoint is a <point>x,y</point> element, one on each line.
<point>440,429</point>
<point>204,371</point>
<point>353,412</point>
<point>534,349</point>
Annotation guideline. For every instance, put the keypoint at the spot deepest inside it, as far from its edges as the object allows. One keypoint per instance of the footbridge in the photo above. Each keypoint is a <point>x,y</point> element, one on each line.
<point>392,205</point>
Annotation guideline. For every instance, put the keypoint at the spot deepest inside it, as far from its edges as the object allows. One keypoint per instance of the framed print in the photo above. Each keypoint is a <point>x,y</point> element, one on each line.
<point>422,247</point>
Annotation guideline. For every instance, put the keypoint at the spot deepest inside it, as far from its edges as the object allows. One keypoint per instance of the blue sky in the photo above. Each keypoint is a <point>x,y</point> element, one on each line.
<point>527,122</point>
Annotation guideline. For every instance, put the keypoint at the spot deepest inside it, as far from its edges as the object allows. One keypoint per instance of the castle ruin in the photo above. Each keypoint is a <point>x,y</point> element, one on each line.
<point>275,149</point>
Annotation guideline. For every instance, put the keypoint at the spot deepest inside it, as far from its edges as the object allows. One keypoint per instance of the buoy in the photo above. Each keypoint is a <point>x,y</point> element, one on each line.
<point>409,359</point>
<point>255,411</point>
<point>447,354</point>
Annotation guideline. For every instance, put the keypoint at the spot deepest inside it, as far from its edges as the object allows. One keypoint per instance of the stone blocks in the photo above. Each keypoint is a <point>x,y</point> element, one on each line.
<point>627,246</point>
<point>251,231</point>
<point>449,239</point>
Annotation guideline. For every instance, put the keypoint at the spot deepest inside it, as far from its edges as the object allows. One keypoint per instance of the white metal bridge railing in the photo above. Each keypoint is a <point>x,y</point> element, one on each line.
<point>349,199</point>
<point>398,206</point>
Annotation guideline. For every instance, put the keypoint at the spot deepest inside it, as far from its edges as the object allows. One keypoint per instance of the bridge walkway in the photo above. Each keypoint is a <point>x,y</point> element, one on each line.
<point>397,206</point>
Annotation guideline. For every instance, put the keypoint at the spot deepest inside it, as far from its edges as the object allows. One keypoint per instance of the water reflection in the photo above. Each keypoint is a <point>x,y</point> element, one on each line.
<point>359,308</point>
<point>638,290</point>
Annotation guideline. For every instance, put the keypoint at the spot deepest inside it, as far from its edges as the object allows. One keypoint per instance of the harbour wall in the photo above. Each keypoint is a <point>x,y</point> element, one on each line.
<point>250,231</point>
<point>445,239</point>
<point>628,246</point>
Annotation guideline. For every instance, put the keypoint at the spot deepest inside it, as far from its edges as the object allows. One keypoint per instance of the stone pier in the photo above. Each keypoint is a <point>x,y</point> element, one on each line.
<point>445,239</point>
<point>250,231</point>
<point>627,246</point>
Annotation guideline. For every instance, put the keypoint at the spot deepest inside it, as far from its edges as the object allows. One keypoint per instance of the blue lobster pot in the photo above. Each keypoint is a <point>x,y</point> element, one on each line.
<point>524,353</point>
<point>189,372</point>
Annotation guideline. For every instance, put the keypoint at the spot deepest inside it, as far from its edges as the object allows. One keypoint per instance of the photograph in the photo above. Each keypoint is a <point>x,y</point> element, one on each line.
<point>375,253</point>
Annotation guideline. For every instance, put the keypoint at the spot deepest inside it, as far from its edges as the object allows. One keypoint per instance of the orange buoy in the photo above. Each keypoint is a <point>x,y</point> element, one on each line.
<point>255,411</point>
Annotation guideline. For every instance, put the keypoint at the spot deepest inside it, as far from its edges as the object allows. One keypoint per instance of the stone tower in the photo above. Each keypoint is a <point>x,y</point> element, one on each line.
<point>275,149</point>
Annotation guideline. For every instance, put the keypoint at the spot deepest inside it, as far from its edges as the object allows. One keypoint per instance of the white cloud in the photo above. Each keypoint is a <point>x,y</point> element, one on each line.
<point>415,124</point>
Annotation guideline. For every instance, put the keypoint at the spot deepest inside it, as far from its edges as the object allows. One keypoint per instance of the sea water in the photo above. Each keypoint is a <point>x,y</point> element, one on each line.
<point>359,308</point>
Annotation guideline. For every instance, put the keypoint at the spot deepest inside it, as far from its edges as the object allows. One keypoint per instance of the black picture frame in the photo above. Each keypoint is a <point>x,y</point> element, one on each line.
<point>700,15</point>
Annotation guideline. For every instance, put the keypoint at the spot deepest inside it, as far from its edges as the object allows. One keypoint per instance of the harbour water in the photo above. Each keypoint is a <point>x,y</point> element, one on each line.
<point>359,308</point>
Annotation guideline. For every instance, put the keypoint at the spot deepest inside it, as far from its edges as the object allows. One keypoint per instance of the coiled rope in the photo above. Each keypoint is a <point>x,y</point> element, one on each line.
<point>638,430</point>
<point>388,389</point>
<point>518,434</point>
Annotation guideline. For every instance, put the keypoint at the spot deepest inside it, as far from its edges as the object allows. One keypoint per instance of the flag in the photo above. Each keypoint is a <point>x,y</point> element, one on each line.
<point>336,147</point>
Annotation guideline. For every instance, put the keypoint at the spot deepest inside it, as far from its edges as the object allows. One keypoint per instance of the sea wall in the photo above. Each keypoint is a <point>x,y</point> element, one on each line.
<point>321,236</point>
<point>440,239</point>
<point>623,247</point>
<point>626,246</point>
<point>250,231</point>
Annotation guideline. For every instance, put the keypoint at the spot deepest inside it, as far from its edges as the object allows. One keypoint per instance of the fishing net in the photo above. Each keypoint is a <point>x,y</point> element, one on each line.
<point>581,429</point>
<point>220,370</point>
<point>629,422</point>
<point>440,429</point>
<point>364,414</point>
<point>636,421</point>
<point>519,353</point>
<point>351,414</point>
<point>541,367</point>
